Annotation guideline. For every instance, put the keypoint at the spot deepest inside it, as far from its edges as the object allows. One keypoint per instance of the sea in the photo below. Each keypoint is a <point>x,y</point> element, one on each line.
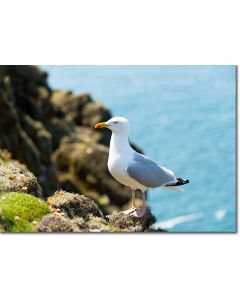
<point>184,118</point>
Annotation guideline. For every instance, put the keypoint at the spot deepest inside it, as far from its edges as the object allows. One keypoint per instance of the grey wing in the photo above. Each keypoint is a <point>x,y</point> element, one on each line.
<point>149,173</point>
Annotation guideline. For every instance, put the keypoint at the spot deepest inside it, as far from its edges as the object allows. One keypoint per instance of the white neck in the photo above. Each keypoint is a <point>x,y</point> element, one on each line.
<point>119,144</point>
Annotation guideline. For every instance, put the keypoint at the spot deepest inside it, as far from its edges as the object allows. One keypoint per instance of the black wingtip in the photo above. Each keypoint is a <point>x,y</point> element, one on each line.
<point>182,181</point>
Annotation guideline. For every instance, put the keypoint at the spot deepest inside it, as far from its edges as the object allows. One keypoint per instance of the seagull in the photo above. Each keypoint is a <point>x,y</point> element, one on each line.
<point>133,169</point>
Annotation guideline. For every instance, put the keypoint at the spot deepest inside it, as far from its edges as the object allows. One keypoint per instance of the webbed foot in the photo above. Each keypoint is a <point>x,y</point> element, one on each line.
<point>138,212</point>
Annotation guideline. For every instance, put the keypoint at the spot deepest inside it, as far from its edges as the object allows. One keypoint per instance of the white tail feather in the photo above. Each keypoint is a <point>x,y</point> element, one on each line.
<point>175,188</point>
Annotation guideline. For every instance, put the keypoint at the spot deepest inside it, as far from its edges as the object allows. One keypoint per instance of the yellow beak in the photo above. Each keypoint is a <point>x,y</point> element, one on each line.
<point>101,125</point>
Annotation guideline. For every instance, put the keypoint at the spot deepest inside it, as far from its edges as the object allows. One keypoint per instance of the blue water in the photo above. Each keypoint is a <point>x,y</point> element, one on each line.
<point>184,118</point>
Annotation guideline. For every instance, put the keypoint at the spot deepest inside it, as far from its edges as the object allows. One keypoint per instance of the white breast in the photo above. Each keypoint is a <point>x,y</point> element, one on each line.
<point>117,168</point>
<point>120,155</point>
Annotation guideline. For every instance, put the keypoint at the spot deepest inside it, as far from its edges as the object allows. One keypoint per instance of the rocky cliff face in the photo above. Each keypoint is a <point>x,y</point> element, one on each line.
<point>53,161</point>
<point>52,133</point>
<point>23,210</point>
<point>26,115</point>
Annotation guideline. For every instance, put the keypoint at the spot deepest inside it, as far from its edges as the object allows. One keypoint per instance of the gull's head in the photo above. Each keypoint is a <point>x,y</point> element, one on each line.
<point>117,124</point>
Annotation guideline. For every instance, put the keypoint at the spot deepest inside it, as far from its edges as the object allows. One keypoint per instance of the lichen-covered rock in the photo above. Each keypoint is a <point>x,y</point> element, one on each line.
<point>20,212</point>
<point>118,222</point>
<point>86,216</point>
<point>127,223</point>
<point>92,224</point>
<point>14,177</point>
<point>74,205</point>
<point>56,223</point>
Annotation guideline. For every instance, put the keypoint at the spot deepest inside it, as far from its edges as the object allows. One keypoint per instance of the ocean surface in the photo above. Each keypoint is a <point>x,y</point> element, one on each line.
<point>184,118</point>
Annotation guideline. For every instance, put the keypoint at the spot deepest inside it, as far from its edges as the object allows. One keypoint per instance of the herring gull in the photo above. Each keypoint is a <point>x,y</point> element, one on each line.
<point>133,169</point>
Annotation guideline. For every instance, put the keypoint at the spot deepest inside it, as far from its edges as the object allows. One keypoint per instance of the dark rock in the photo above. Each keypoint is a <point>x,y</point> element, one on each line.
<point>21,126</point>
<point>27,84</point>
<point>69,183</point>
<point>39,136</point>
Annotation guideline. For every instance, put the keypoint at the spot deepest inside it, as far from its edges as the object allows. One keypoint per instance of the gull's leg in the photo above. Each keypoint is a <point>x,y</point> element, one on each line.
<point>133,199</point>
<point>131,210</point>
<point>140,212</point>
<point>144,201</point>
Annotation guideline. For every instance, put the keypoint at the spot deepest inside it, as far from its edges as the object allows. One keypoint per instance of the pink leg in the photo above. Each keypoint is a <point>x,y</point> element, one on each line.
<point>133,208</point>
<point>140,212</point>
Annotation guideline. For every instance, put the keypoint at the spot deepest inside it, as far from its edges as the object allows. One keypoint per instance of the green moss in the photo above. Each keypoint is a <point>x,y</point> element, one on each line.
<point>18,211</point>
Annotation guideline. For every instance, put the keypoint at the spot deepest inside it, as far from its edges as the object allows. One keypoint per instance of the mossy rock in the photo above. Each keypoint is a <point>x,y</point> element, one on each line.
<point>19,212</point>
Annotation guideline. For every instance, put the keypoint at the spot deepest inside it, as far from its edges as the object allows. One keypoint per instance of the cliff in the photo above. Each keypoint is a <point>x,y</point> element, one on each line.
<point>50,133</point>
<point>22,208</point>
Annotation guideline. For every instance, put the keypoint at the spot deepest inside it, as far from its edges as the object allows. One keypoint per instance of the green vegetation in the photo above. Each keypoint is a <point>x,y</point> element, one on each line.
<point>19,212</point>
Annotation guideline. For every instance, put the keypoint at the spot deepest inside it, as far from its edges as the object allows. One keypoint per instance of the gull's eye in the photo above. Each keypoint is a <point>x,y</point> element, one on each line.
<point>115,122</point>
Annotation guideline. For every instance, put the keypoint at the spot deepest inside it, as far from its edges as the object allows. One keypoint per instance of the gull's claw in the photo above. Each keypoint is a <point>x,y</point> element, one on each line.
<point>138,212</point>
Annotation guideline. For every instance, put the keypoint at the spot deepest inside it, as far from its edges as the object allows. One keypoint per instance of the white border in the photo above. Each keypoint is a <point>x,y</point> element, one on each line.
<point>119,266</point>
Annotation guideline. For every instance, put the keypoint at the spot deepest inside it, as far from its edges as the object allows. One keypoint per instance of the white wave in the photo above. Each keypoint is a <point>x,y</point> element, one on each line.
<point>168,224</point>
<point>220,214</point>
